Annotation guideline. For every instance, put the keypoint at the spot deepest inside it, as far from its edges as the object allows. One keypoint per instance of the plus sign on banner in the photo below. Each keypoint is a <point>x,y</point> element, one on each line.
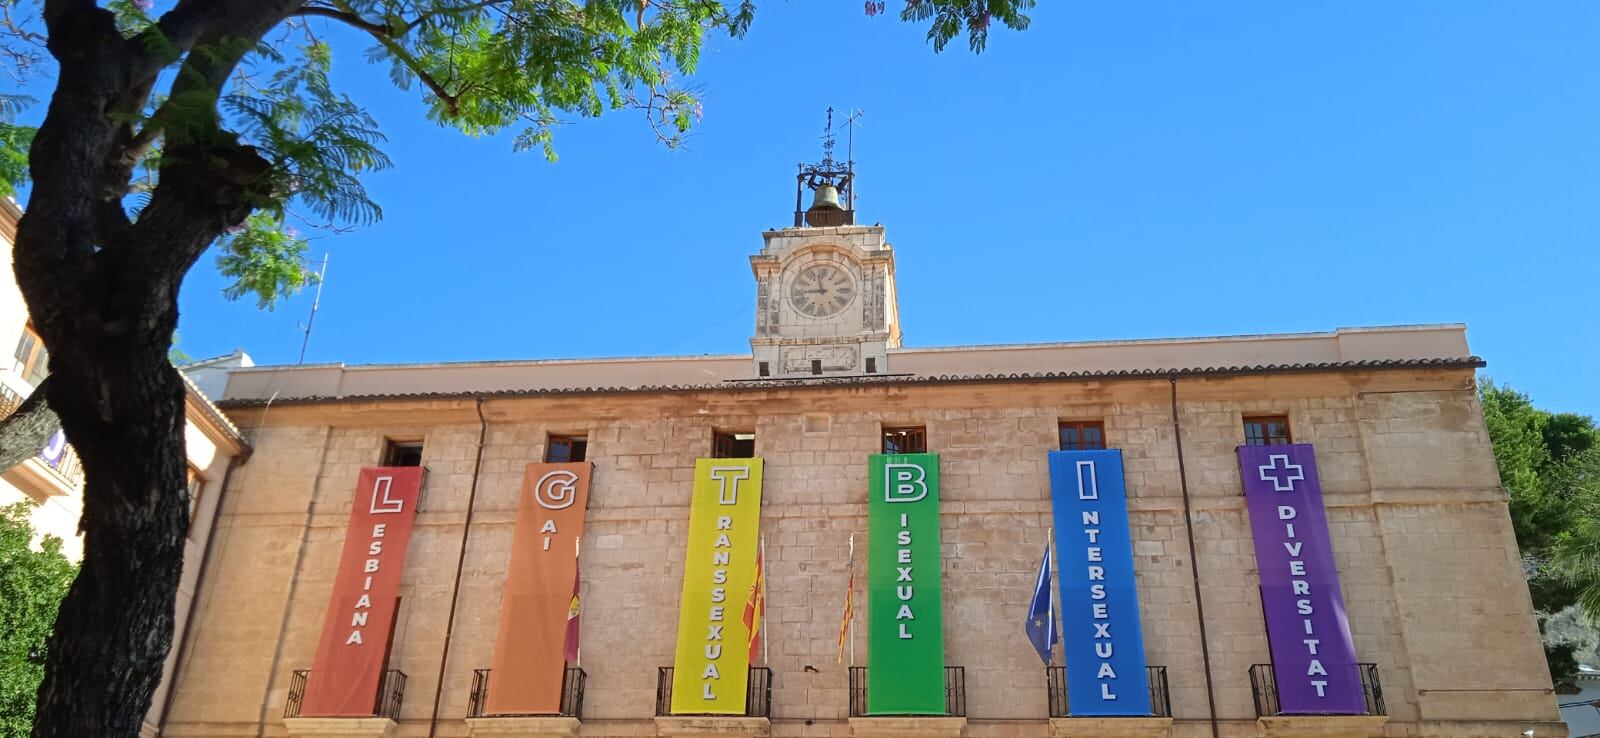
<point>1308,633</point>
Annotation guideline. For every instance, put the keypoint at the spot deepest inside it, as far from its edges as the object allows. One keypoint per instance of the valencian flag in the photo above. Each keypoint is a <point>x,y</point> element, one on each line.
<point>849,601</point>
<point>755,606</point>
<point>1041,625</point>
<point>574,609</point>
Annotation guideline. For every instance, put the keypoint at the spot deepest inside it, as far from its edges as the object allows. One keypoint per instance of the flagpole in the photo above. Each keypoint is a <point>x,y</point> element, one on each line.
<point>577,552</point>
<point>851,626</point>
<point>1049,555</point>
<point>766,653</point>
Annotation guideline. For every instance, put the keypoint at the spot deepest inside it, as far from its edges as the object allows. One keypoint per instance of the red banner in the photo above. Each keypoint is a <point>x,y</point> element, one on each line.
<point>537,607</point>
<point>348,668</point>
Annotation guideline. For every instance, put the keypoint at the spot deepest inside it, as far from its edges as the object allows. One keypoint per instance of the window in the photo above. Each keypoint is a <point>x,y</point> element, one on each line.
<point>763,369</point>
<point>402,453</point>
<point>872,365</point>
<point>561,449</point>
<point>905,440</point>
<point>1082,435</point>
<point>733,445</point>
<point>32,359</point>
<point>1271,430</point>
<point>196,483</point>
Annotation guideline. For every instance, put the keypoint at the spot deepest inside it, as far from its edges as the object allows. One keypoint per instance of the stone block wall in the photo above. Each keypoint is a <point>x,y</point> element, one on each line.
<point>1421,536</point>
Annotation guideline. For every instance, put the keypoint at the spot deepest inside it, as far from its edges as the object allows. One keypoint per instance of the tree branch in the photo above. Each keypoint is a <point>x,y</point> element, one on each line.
<point>26,430</point>
<point>347,18</point>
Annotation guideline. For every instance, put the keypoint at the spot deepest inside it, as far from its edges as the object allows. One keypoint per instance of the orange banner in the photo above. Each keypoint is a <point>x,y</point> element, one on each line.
<point>355,633</point>
<point>529,654</point>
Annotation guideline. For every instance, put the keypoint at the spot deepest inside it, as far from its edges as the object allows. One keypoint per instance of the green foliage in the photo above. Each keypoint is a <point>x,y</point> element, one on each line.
<point>319,141</point>
<point>1550,465</point>
<point>483,66</point>
<point>264,258</point>
<point>14,143</point>
<point>32,583</point>
<point>949,18</point>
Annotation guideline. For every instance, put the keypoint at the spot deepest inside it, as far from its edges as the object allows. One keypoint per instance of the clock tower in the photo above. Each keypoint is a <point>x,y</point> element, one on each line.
<point>825,292</point>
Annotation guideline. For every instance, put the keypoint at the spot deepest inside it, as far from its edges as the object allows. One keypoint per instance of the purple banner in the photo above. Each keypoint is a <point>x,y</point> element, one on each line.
<point>1312,653</point>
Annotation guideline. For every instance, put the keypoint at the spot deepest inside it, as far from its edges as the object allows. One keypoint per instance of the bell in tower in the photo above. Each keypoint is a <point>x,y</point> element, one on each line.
<point>831,184</point>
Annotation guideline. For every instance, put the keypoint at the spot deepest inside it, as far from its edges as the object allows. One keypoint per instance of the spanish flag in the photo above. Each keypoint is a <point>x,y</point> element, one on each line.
<point>755,607</point>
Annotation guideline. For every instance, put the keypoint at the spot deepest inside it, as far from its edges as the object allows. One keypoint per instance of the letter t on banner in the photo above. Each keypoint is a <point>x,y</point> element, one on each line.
<point>710,675</point>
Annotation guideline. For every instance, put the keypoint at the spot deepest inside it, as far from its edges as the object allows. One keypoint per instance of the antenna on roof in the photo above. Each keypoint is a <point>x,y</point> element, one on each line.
<point>851,123</point>
<point>305,340</point>
<point>315,303</point>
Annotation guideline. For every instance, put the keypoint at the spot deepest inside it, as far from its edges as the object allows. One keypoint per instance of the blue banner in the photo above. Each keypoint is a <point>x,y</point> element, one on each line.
<point>1101,637</point>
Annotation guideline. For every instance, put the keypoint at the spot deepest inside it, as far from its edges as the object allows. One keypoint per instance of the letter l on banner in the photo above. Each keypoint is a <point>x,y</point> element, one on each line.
<point>348,668</point>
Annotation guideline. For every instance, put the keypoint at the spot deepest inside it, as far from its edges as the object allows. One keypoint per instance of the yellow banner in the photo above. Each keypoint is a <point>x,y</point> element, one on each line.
<point>711,672</point>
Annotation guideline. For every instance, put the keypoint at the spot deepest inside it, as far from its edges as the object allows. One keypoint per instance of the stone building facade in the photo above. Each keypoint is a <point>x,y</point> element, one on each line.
<point>1429,570</point>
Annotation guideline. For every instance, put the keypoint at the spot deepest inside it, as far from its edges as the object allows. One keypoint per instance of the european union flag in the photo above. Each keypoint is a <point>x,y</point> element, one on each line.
<point>1042,613</point>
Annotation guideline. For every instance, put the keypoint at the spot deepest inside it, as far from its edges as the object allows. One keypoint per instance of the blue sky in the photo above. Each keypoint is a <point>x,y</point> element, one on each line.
<point>1120,170</point>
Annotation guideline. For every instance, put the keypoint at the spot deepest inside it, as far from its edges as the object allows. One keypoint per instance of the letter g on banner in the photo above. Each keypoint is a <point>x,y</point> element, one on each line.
<point>904,483</point>
<point>556,490</point>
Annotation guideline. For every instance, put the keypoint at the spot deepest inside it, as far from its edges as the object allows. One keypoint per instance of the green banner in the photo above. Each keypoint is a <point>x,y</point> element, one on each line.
<point>905,627</point>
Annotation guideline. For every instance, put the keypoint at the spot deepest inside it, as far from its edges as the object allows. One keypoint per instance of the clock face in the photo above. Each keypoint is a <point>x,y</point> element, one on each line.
<point>822,290</point>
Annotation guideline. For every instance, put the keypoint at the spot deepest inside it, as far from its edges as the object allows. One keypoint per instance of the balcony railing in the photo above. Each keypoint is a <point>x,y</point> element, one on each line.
<point>1056,683</point>
<point>391,692</point>
<point>10,399</point>
<point>955,691</point>
<point>1264,686</point>
<point>757,697</point>
<point>572,686</point>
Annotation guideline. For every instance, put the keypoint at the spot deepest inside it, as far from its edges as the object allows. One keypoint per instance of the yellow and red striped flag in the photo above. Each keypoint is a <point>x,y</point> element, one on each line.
<point>849,601</point>
<point>755,607</point>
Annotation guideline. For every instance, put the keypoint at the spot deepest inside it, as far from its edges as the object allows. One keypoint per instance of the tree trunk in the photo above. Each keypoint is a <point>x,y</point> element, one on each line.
<point>115,626</point>
<point>102,291</point>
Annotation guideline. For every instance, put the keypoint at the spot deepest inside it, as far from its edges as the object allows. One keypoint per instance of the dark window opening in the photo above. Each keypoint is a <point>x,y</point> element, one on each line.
<point>402,453</point>
<point>32,360</point>
<point>872,365</point>
<point>905,440</point>
<point>1269,430</point>
<point>763,369</point>
<point>733,445</point>
<point>816,366</point>
<point>1083,435</point>
<point>562,449</point>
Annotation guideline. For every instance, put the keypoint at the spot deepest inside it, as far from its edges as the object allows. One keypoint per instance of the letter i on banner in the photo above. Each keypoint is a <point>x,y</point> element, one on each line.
<point>711,672</point>
<point>348,667</point>
<point>1100,633</point>
<point>1313,655</point>
<point>530,650</point>
<point>905,623</point>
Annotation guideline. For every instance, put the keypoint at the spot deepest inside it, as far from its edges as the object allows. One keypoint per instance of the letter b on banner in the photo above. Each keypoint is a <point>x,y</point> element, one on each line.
<point>905,639</point>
